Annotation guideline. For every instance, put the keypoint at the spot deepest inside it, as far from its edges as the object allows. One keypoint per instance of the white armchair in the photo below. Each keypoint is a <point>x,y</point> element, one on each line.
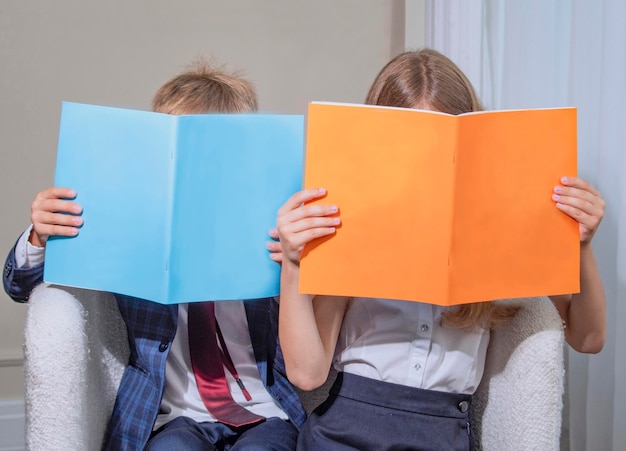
<point>519,402</point>
<point>76,350</point>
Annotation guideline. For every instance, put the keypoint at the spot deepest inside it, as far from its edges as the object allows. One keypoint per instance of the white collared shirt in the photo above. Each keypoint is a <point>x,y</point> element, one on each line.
<point>404,343</point>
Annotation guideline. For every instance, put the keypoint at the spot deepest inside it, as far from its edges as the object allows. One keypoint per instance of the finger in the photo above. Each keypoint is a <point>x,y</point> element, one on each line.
<point>591,206</point>
<point>579,188</point>
<point>305,213</point>
<point>276,250</point>
<point>47,230</point>
<point>40,235</point>
<point>308,223</point>
<point>277,257</point>
<point>300,198</point>
<point>318,232</point>
<point>273,233</point>
<point>56,205</point>
<point>273,246</point>
<point>577,182</point>
<point>42,218</point>
<point>57,192</point>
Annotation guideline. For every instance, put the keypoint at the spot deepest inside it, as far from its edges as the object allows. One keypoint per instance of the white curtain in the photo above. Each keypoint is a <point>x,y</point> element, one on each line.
<point>552,53</point>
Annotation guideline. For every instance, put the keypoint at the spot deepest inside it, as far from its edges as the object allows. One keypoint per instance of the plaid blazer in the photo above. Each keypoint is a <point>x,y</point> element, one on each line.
<point>151,328</point>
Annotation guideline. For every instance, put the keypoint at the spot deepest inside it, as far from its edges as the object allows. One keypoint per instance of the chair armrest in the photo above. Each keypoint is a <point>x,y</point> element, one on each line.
<point>519,402</point>
<point>75,349</point>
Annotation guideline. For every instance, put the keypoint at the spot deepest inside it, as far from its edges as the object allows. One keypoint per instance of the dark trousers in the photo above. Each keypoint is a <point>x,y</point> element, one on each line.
<point>365,414</point>
<point>183,433</point>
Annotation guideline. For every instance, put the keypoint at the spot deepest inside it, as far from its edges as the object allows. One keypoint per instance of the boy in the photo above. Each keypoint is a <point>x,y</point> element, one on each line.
<point>159,404</point>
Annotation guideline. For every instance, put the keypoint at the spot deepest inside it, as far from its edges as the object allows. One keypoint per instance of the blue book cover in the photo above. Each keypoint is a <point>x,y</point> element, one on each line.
<point>175,208</point>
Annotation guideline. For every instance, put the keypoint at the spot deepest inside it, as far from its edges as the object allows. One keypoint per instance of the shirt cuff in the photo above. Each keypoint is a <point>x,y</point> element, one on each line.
<point>27,255</point>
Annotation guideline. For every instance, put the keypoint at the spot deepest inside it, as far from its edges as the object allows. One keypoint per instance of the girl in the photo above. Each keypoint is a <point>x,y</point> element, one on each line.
<point>407,370</point>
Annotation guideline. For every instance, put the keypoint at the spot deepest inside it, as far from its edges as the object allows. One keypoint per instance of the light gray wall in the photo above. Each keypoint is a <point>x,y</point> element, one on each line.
<point>119,52</point>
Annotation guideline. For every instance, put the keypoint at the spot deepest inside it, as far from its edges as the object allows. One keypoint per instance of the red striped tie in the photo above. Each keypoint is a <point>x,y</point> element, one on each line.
<point>208,361</point>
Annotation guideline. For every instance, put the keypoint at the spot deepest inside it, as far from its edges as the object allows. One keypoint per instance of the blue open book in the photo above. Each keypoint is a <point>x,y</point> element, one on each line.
<point>175,208</point>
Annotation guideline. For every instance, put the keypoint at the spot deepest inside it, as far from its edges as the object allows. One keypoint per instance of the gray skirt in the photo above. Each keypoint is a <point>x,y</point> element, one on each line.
<point>366,414</point>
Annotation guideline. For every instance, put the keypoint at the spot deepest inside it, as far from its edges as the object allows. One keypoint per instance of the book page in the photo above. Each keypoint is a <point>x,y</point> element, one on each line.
<point>509,238</point>
<point>234,172</point>
<point>390,173</point>
<point>118,161</point>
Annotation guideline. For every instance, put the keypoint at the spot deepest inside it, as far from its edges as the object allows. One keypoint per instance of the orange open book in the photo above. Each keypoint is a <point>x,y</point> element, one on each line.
<point>439,208</point>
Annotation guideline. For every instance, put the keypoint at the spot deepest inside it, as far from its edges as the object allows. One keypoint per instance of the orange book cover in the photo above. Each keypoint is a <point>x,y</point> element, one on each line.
<point>440,208</point>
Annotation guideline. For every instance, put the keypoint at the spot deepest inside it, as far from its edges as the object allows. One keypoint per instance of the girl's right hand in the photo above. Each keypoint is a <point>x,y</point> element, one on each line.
<point>52,214</point>
<point>299,223</point>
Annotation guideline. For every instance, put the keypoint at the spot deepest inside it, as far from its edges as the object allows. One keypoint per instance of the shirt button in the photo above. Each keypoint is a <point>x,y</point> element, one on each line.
<point>463,406</point>
<point>424,328</point>
<point>417,366</point>
<point>163,346</point>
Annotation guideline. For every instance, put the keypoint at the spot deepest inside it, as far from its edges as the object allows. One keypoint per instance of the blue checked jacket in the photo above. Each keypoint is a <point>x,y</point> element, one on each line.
<point>151,328</point>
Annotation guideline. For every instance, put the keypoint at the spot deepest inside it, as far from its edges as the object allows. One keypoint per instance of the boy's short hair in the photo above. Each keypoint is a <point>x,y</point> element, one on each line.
<point>205,89</point>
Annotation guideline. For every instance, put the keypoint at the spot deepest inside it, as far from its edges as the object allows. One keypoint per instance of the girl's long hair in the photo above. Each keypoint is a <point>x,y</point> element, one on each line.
<point>426,79</point>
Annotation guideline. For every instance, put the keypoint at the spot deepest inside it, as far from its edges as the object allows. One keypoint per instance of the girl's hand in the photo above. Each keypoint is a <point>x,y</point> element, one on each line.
<point>298,223</point>
<point>51,214</point>
<point>274,246</point>
<point>578,199</point>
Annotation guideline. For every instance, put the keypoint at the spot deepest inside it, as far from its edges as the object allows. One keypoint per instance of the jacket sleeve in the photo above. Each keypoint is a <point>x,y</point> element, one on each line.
<point>19,282</point>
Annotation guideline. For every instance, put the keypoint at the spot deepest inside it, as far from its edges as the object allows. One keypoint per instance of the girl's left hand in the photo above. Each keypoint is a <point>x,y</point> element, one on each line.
<point>578,199</point>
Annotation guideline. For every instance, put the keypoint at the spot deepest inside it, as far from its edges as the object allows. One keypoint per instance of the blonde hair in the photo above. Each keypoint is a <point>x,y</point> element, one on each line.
<point>427,79</point>
<point>205,89</point>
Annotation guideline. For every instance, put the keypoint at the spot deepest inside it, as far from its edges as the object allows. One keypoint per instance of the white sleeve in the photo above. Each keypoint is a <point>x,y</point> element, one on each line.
<point>27,255</point>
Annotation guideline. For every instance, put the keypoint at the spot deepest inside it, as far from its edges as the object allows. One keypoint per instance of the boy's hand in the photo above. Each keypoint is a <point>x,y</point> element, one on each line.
<point>578,199</point>
<point>298,223</point>
<point>52,214</point>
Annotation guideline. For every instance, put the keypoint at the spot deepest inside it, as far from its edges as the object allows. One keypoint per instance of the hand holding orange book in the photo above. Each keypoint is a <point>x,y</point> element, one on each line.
<point>440,208</point>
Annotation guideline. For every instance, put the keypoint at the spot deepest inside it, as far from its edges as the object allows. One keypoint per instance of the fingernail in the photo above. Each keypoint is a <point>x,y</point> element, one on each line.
<point>322,191</point>
<point>563,179</point>
<point>336,220</point>
<point>558,189</point>
<point>334,208</point>
<point>555,197</point>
